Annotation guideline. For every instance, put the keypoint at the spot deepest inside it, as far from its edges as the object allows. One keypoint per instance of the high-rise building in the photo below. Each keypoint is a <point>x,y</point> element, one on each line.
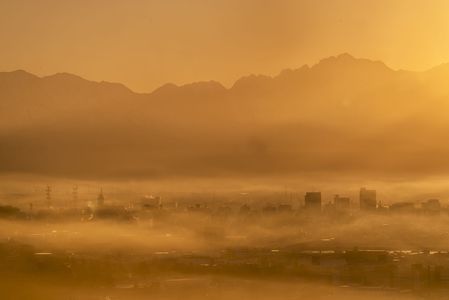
<point>368,199</point>
<point>341,203</point>
<point>313,201</point>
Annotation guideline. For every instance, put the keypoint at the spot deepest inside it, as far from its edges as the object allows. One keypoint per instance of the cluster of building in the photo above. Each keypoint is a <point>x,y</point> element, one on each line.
<point>148,206</point>
<point>367,202</point>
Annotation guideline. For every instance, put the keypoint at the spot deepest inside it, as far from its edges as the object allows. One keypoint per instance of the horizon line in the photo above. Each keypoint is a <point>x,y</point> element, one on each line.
<point>308,66</point>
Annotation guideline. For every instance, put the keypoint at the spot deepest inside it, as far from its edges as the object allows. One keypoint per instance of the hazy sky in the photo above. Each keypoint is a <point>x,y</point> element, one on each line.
<point>145,43</point>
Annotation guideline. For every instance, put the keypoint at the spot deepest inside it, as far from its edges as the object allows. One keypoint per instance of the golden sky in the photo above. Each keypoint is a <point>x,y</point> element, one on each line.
<point>145,43</point>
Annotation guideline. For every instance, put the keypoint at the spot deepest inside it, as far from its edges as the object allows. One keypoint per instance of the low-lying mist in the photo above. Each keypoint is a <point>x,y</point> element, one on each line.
<point>197,232</point>
<point>111,247</point>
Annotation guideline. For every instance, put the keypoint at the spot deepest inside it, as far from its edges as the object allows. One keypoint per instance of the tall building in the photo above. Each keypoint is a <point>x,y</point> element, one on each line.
<point>341,203</point>
<point>313,201</point>
<point>368,199</point>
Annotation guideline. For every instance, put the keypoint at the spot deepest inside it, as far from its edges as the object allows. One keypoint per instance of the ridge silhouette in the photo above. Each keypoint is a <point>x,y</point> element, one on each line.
<point>343,114</point>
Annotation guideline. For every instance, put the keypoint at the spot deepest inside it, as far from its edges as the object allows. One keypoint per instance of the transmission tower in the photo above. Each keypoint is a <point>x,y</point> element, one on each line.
<point>48,195</point>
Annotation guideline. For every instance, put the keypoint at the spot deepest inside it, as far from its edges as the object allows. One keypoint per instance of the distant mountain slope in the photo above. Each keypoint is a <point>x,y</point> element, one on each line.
<point>340,115</point>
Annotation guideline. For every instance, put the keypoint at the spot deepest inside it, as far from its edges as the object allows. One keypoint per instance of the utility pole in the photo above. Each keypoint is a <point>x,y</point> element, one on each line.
<point>48,195</point>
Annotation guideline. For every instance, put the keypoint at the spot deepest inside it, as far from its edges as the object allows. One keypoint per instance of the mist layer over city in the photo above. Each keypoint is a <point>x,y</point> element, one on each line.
<point>224,149</point>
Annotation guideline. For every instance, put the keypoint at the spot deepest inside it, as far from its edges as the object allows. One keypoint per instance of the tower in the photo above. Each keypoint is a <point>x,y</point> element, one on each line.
<point>48,196</point>
<point>313,201</point>
<point>341,203</point>
<point>368,199</point>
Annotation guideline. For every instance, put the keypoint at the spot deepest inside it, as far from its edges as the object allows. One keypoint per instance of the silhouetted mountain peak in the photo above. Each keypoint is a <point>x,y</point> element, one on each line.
<point>200,87</point>
<point>169,85</point>
<point>329,67</point>
<point>343,58</point>
<point>164,89</point>
<point>251,81</point>
<point>18,75</point>
<point>286,73</point>
<point>64,80</point>
<point>21,73</point>
<point>64,77</point>
<point>348,61</point>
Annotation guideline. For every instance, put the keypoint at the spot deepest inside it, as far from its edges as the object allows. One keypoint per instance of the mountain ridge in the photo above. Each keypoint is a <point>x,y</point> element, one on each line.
<point>342,114</point>
<point>337,59</point>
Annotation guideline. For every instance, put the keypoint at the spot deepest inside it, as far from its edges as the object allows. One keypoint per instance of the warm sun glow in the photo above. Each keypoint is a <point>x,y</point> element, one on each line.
<point>225,149</point>
<point>145,44</point>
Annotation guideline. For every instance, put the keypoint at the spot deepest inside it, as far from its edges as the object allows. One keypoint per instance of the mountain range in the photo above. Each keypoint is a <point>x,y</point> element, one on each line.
<point>343,115</point>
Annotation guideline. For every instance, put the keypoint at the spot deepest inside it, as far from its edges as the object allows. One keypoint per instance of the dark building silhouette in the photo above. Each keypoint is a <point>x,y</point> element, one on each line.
<point>269,208</point>
<point>368,199</point>
<point>431,205</point>
<point>285,208</point>
<point>402,207</point>
<point>313,201</point>
<point>341,203</point>
<point>152,202</point>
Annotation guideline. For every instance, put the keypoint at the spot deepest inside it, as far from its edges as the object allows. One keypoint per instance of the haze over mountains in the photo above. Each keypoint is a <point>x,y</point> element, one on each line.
<point>342,115</point>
